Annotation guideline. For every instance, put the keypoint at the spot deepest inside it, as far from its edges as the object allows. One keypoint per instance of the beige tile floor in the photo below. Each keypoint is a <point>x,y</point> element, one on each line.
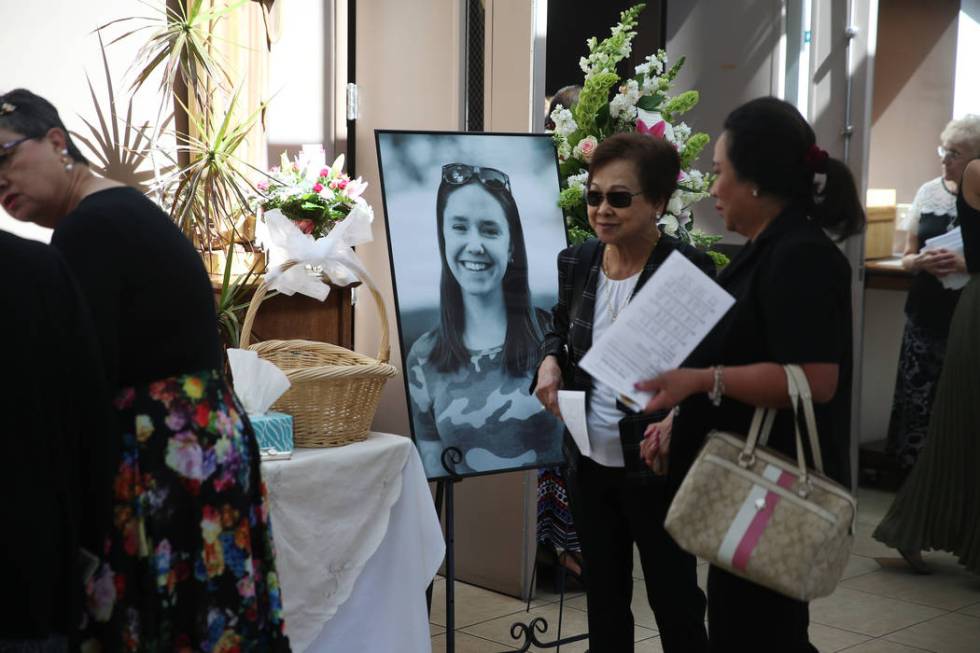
<point>878,607</point>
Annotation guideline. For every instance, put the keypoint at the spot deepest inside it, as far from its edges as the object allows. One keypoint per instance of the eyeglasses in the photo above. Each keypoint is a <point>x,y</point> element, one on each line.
<point>457,174</point>
<point>7,150</point>
<point>952,154</point>
<point>618,199</point>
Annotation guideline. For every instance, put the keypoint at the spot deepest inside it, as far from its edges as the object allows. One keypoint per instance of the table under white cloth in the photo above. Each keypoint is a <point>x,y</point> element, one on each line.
<point>357,543</point>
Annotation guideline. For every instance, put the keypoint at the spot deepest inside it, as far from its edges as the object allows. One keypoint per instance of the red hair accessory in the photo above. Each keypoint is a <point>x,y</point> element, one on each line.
<point>815,159</point>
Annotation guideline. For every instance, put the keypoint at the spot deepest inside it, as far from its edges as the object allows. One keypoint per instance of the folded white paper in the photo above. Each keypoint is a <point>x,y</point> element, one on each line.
<point>258,382</point>
<point>571,403</point>
<point>659,328</point>
<point>952,240</point>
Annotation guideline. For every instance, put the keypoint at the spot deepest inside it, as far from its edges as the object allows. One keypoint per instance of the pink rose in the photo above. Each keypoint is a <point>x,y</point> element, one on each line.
<point>262,186</point>
<point>317,187</point>
<point>325,172</point>
<point>295,167</point>
<point>585,148</point>
<point>306,226</point>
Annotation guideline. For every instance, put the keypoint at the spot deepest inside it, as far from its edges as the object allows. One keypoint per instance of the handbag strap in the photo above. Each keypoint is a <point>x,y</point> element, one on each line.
<point>803,386</point>
<point>762,421</point>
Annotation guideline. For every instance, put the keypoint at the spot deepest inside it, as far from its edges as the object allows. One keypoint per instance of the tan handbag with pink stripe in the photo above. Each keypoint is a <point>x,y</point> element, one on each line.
<point>762,516</point>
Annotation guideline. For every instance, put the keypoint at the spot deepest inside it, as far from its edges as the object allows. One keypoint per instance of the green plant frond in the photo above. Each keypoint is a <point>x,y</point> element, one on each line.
<point>125,35</point>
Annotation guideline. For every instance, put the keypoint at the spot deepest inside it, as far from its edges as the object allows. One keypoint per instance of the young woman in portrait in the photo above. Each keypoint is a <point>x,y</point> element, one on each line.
<point>469,375</point>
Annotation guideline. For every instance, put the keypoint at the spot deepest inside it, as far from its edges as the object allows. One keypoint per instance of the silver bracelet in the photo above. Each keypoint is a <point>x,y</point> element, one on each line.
<point>718,389</point>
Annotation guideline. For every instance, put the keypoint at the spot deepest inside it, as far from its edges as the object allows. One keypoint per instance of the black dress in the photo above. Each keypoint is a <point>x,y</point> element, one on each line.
<point>938,507</point>
<point>929,310</point>
<point>57,439</point>
<point>189,562</point>
<point>792,289</point>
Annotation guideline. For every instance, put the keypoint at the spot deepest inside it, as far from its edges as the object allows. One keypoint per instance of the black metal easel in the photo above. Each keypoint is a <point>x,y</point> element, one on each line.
<point>451,456</point>
<point>529,631</point>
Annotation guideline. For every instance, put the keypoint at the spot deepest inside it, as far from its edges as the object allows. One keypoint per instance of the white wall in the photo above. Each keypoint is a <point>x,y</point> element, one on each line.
<point>47,46</point>
<point>307,69</point>
<point>884,320</point>
<point>967,93</point>
<point>406,82</point>
<point>731,50</point>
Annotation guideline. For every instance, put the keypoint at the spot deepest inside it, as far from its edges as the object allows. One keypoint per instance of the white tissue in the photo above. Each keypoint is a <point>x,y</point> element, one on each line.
<point>258,383</point>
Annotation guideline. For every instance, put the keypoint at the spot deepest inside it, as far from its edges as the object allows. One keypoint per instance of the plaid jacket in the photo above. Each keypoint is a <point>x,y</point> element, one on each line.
<point>570,335</point>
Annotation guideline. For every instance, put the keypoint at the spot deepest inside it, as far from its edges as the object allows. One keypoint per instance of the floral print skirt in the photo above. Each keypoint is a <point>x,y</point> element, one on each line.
<point>189,563</point>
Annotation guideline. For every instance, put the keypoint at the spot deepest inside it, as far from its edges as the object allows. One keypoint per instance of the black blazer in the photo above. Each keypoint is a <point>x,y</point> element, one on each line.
<point>792,287</point>
<point>570,335</point>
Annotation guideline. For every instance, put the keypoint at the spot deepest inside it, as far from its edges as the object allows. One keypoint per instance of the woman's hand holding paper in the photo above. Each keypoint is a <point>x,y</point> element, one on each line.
<point>673,387</point>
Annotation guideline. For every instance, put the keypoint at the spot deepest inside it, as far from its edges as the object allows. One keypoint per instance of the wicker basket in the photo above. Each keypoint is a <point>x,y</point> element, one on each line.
<point>335,391</point>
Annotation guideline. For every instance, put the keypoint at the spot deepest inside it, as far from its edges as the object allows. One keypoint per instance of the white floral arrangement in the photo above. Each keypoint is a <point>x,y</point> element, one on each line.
<point>641,104</point>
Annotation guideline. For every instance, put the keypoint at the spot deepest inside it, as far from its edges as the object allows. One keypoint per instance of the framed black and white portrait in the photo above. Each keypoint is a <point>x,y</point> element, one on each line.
<point>474,230</point>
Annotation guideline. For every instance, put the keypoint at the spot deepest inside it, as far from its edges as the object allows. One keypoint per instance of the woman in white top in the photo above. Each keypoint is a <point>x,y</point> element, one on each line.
<point>616,503</point>
<point>929,308</point>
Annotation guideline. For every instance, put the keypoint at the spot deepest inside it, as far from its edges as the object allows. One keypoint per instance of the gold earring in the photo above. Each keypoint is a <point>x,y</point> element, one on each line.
<point>67,160</point>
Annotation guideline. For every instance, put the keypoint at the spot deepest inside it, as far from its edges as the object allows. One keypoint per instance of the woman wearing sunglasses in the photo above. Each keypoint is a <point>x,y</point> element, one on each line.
<point>188,560</point>
<point>469,376</point>
<point>614,504</point>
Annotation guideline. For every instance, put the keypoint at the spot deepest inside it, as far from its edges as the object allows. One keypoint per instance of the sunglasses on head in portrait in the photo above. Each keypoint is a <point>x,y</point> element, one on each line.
<point>618,199</point>
<point>458,174</point>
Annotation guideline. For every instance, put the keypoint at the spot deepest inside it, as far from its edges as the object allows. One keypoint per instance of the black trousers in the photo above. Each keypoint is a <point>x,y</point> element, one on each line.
<point>744,616</point>
<point>611,514</point>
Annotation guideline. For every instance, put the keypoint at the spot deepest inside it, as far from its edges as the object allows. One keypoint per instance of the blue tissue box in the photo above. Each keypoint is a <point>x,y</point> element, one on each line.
<point>273,430</point>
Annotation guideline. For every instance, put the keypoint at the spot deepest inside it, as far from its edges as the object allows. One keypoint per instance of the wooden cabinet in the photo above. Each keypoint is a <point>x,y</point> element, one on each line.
<point>304,318</point>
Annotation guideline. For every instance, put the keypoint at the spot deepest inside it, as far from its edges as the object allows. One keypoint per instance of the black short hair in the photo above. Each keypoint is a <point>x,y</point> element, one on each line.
<point>656,160</point>
<point>770,144</point>
<point>33,116</point>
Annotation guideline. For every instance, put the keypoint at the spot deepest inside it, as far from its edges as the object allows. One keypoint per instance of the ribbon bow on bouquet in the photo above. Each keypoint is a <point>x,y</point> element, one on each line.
<point>332,253</point>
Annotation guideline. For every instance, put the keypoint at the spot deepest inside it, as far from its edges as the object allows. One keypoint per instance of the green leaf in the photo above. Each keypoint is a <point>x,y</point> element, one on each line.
<point>719,259</point>
<point>650,102</point>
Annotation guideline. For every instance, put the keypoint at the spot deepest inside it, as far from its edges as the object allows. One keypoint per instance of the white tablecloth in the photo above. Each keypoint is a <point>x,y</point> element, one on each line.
<point>357,541</point>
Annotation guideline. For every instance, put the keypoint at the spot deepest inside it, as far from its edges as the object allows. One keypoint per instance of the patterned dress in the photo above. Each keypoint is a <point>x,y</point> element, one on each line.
<point>929,310</point>
<point>938,507</point>
<point>188,563</point>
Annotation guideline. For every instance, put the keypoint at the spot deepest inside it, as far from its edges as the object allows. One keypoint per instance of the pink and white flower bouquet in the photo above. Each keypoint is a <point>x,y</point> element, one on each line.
<point>312,195</point>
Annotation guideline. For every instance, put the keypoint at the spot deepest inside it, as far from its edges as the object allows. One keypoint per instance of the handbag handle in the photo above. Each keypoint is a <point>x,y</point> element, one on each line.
<point>803,386</point>
<point>762,421</point>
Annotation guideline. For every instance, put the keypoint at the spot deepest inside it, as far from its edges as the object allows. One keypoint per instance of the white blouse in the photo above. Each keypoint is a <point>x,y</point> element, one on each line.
<point>603,415</point>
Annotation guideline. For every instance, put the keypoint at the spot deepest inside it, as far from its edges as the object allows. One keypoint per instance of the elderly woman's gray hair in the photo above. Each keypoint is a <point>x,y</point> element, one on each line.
<point>964,131</point>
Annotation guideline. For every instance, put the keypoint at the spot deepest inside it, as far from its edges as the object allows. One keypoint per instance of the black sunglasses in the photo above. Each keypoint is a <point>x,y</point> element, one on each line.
<point>618,199</point>
<point>7,149</point>
<point>457,174</point>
